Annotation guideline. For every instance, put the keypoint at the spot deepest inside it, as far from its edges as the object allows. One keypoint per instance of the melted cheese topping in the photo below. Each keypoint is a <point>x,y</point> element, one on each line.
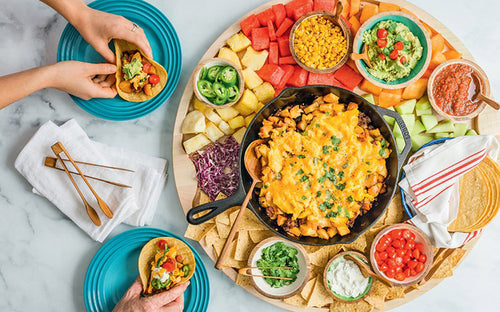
<point>321,174</point>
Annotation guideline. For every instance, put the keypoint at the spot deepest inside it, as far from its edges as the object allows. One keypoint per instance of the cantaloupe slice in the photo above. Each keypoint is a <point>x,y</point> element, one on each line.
<point>389,97</point>
<point>346,9</point>
<point>386,6</point>
<point>416,90</point>
<point>370,87</point>
<point>452,54</point>
<point>368,11</point>
<point>436,60</point>
<point>355,6</point>
<point>355,24</point>
<point>437,43</point>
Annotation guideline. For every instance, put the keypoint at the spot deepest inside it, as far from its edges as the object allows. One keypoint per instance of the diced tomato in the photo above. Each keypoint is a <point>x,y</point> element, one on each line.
<point>394,54</point>
<point>396,243</point>
<point>279,12</point>
<point>407,273</point>
<point>419,247</point>
<point>382,56</point>
<point>399,46</point>
<point>248,24</point>
<point>348,77</point>
<point>382,33</point>
<point>273,53</point>
<point>178,258</point>
<point>382,43</point>
<point>406,259</point>
<point>320,79</point>
<point>161,244</point>
<point>420,267</point>
<point>383,267</point>
<point>284,45</point>
<point>324,5</point>
<point>416,254</point>
<point>422,258</point>
<point>289,69</point>
<point>272,32</point>
<point>266,16</point>
<point>412,264</point>
<point>383,255</point>
<point>287,60</point>
<point>400,276</point>
<point>390,273</point>
<point>400,252</point>
<point>146,68</point>
<point>396,234</point>
<point>271,73</point>
<point>297,8</point>
<point>169,265</point>
<point>299,77</point>
<point>285,25</point>
<point>410,245</point>
<point>260,38</point>
<point>154,79</point>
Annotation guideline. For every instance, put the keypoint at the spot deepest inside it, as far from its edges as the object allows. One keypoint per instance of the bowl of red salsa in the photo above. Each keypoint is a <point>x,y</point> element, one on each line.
<point>451,89</point>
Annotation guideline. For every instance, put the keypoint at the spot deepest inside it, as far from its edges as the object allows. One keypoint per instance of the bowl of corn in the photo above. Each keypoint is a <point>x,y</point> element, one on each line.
<point>320,42</point>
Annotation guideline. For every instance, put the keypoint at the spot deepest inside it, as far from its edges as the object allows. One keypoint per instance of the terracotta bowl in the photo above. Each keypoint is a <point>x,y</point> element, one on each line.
<point>416,28</point>
<point>287,291</point>
<point>337,296</point>
<point>483,79</point>
<point>345,31</point>
<point>213,62</point>
<point>420,237</point>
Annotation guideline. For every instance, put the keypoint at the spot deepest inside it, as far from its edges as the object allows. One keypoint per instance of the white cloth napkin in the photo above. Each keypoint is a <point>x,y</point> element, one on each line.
<point>135,206</point>
<point>431,184</point>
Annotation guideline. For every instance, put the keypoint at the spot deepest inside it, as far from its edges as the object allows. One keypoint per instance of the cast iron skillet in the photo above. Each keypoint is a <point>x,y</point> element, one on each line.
<point>306,95</point>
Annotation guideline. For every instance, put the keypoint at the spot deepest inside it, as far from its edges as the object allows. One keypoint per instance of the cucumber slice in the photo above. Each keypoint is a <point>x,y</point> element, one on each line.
<point>400,144</point>
<point>418,140</point>
<point>369,97</point>
<point>441,135</point>
<point>460,129</point>
<point>423,106</point>
<point>443,126</point>
<point>409,120</point>
<point>397,131</point>
<point>417,128</point>
<point>391,121</point>
<point>471,132</point>
<point>406,107</point>
<point>429,121</point>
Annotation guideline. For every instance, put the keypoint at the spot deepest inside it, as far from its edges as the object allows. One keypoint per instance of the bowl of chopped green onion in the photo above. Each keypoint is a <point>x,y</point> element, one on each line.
<point>276,257</point>
<point>218,83</point>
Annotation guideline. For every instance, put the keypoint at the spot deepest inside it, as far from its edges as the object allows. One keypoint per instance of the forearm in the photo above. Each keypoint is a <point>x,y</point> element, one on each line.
<point>16,86</point>
<point>72,10</point>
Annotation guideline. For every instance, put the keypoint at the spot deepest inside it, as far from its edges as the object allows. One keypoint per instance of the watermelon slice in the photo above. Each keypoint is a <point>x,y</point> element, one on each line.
<point>272,31</point>
<point>320,79</point>
<point>273,53</point>
<point>284,45</point>
<point>297,8</point>
<point>266,16</point>
<point>248,24</point>
<point>279,12</point>
<point>299,77</point>
<point>286,60</point>
<point>271,73</point>
<point>260,38</point>
<point>324,5</point>
<point>289,69</point>
<point>284,27</point>
<point>347,76</point>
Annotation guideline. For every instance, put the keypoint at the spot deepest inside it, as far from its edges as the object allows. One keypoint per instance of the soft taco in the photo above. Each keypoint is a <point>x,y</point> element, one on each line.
<point>165,262</point>
<point>138,78</point>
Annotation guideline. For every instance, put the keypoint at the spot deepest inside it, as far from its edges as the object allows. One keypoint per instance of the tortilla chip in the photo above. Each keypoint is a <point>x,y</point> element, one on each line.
<point>445,269</point>
<point>249,221</point>
<point>223,230</point>
<point>376,296</point>
<point>308,289</point>
<point>148,253</point>
<point>395,211</point>
<point>296,300</point>
<point>358,306</point>
<point>359,244</point>
<point>311,249</point>
<point>320,296</point>
<point>320,258</point>
<point>259,235</point>
<point>220,196</point>
<point>197,232</point>
<point>244,281</point>
<point>223,218</point>
<point>395,292</point>
<point>244,246</point>
<point>200,198</point>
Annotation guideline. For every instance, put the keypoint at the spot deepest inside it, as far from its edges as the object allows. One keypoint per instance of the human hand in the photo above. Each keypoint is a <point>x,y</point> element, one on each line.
<point>98,28</point>
<point>167,301</point>
<point>84,80</point>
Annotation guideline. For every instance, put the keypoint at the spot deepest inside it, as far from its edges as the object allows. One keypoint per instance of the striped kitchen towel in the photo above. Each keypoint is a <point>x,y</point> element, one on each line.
<point>431,184</point>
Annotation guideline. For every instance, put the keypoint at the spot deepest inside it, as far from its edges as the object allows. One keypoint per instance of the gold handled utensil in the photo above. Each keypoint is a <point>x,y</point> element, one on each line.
<point>51,163</point>
<point>90,211</point>
<point>244,271</point>
<point>52,159</point>
<point>58,148</point>
<point>363,56</point>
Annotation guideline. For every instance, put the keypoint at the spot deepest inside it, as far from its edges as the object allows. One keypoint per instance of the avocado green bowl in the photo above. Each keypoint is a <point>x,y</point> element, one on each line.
<point>415,27</point>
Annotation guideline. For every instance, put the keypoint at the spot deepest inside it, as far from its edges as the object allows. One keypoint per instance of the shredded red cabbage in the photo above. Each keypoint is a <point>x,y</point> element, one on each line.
<point>217,168</point>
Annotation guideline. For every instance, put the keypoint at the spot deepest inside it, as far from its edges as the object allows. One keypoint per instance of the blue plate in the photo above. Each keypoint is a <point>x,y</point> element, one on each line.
<point>403,195</point>
<point>114,268</point>
<point>166,51</point>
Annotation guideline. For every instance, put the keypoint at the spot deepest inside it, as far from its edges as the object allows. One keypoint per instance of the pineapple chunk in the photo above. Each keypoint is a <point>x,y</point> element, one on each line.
<point>195,143</point>
<point>264,92</point>
<point>238,42</point>
<point>224,127</point>
<point>237,122</point>
<point>253,59</point>
<point>248,119</point>
<point>212,116</point>
<point>213,133</point>
<point>228,54</point>
<point>238,135</point>
<point>247,104</point>
<point>252,80</point>
<point>227,113</point>
<point>199,105</point>
<point>194,122</point>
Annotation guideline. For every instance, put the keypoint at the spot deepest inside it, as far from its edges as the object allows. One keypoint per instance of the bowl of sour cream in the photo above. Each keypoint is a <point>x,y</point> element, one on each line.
<point>343,278</point>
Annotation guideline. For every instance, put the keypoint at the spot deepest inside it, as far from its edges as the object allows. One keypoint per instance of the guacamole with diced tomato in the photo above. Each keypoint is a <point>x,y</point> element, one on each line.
<point>393,50</point>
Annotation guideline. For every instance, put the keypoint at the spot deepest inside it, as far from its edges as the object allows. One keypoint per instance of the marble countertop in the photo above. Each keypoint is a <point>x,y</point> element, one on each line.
<point>44,256</point>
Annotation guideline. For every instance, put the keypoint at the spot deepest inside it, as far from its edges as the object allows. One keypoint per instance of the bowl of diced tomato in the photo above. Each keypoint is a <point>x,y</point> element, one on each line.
<point>402,253</point>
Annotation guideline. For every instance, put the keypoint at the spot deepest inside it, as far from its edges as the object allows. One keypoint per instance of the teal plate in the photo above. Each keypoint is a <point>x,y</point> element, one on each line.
<point>166,51</point>
<point>114,268</point>
<point>416,28</point>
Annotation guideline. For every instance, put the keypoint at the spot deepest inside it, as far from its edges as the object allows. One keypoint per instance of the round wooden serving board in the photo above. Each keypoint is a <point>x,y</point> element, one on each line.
<point>184,171</point>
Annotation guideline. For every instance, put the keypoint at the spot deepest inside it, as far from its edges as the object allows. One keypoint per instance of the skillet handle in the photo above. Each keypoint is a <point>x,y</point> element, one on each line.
<point>406,135</point>
<point>214,208</point>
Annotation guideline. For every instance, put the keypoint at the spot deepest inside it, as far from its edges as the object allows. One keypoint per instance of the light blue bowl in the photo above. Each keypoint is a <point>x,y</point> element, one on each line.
<point>416,28</point>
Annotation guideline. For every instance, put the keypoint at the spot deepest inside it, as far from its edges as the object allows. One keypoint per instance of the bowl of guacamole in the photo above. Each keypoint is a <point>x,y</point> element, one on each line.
<point>398,47</point>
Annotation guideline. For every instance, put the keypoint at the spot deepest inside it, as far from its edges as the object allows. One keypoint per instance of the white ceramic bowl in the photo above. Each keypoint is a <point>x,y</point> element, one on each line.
<point>286,291</point>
